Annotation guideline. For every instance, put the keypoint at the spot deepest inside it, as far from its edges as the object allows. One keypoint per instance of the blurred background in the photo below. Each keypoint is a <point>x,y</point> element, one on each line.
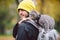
<point>9,15</point>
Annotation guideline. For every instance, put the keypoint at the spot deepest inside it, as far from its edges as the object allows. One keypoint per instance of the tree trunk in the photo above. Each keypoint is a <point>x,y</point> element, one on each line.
<point>18,1</point>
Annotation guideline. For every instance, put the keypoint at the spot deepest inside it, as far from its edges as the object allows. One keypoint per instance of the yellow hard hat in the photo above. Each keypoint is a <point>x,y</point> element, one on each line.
<point>27,5</point>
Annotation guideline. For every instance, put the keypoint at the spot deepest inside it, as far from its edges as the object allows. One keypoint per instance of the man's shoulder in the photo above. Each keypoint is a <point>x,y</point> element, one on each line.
<point>25,24</point>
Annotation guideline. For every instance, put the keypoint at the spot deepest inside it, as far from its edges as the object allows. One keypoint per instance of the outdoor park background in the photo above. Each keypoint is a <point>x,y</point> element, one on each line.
<point>9,15</point>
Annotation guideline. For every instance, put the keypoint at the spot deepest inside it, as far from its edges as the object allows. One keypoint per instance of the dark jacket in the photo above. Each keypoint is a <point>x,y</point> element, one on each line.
<point>26,31</point>
<point>15,29</point>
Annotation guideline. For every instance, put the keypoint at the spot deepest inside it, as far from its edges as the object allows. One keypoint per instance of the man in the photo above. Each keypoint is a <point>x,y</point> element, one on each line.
<point>25,30</point>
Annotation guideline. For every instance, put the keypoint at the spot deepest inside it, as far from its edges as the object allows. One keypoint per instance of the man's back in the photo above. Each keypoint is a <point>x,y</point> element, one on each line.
<point>27,31</point>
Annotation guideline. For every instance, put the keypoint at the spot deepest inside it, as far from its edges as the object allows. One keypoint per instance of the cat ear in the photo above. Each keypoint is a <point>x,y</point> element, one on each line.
<point>33,14</point>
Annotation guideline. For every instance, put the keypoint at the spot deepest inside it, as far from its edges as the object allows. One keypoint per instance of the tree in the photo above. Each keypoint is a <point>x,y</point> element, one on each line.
<point>4,14</point>
<point>18,1</point>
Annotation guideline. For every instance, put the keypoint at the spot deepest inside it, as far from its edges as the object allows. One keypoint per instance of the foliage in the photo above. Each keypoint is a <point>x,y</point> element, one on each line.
<point>52,8</point>
<point>5,15</point>
<point>8,14</point>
